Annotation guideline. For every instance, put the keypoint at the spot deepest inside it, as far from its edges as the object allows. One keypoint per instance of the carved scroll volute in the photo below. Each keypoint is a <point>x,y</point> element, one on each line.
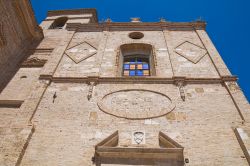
<point>180,83</point>
<point>91,88</point>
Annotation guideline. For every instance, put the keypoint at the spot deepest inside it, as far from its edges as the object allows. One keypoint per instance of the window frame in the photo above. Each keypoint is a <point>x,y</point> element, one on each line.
<point>145,51</point>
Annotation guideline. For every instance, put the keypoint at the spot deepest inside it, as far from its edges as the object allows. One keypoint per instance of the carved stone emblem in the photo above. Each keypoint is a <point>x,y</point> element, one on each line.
<point>81,52</point>
<point>191,52</point>
<point>138,137</point>
<point>136,104</point>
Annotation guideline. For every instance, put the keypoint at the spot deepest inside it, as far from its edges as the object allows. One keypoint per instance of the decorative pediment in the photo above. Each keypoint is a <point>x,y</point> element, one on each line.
<point>169,153</point>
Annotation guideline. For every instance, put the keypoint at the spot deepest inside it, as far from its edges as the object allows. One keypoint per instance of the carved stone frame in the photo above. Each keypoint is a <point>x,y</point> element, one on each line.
<point>161,113</point>
<point>120,59</point>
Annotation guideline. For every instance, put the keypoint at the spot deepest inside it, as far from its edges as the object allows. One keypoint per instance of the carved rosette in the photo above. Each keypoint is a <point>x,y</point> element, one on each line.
<point>136,104</point>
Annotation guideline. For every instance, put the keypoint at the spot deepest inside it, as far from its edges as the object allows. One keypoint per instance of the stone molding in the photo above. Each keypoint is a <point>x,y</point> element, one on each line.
<point>126,26</point>
<point>149,80</point>
<point>11,103</point>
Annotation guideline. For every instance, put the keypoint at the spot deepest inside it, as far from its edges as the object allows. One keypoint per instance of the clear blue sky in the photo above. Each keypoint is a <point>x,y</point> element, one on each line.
<point>228,22</point>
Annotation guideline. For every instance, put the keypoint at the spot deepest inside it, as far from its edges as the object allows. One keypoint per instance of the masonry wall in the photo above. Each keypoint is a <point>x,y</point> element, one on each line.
<point>201,124</point>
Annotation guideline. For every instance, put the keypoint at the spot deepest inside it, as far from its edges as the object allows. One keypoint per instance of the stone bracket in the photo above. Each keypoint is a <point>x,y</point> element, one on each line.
<point>91,88</point>
<point>92,82</point>
<point>180,82</point>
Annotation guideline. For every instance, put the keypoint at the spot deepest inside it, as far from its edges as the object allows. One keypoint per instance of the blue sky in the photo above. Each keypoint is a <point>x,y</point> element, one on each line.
<point>228,22</point>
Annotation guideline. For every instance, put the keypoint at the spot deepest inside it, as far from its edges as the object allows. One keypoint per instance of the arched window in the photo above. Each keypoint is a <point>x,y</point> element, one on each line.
<point>59,23</point>
<point>136,60</point>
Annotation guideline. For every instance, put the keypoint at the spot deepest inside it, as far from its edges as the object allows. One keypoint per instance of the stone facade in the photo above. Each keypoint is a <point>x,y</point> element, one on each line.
<point>69,104</point>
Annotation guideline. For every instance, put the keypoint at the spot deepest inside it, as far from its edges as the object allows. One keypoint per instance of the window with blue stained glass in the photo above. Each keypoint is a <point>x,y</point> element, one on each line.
<point>136,66</point>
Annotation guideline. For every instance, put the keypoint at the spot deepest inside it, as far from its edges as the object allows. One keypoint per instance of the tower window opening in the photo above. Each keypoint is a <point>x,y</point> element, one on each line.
<point>59,23</point>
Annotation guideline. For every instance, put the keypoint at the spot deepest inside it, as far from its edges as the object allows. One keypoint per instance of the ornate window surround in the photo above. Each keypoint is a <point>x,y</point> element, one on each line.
<point>141,49</point>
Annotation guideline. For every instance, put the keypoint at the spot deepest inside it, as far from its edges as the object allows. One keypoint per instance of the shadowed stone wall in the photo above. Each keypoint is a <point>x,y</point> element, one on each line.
<point>18,32</point>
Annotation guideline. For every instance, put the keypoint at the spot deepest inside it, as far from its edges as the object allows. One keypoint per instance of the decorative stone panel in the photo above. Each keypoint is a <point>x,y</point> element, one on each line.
<point>81,52</point>
<point>34,62</point>
<point>191,52</point>
<point>136,104</point>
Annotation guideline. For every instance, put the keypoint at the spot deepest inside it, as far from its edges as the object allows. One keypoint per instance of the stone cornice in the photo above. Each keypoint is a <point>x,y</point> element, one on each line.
<point>75,12</point>
<point>124,26</point>
<point>139,80</point>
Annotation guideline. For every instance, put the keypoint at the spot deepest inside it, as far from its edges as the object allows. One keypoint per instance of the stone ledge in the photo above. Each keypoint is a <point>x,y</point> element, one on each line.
<point>151,79</point>
<point>11,103</point>
<point>244,141</point>
<point>125,26</point>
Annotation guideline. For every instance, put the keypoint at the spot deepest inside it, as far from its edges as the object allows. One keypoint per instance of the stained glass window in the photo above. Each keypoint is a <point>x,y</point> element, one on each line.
<point>136,66</point>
